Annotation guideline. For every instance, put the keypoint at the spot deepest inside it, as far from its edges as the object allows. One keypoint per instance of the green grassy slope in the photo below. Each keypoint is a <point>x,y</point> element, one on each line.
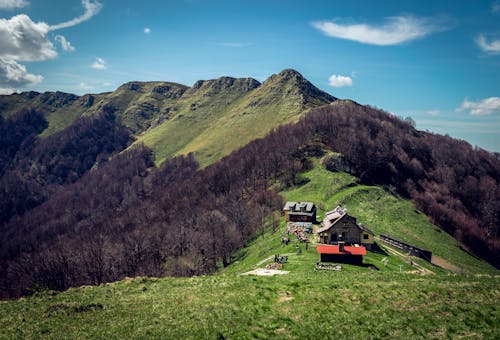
<point>196,111</point>
<point>315,306</point>
<point>213,123</point>
<point>305,303</point>
<point>383,213</point>
<point>140,105</point>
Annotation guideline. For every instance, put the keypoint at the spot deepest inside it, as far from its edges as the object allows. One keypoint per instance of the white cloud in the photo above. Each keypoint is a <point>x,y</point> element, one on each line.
<point>13,74</point>
<point>13,4</point>
<point>492,46</point>
<point>147,30</point>
<point>483,107</point>
<point>65,44</point>
<point>85,86</point>
<point>99,64</point>
<point>21,39</point>
<point>433,112</point>
<point>7,90</point>
<point>91,9</point>
<point>395,31</point>
<point>339,81</point>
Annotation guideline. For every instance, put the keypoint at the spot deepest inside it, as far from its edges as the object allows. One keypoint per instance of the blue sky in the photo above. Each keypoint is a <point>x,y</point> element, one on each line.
<point>436,61</point>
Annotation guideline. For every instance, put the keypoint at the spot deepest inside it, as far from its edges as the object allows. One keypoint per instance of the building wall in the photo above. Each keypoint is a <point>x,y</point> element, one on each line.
<point>351,259</point>
<point>300,218</point>
<point>347,228</point>
<point>366,238</point>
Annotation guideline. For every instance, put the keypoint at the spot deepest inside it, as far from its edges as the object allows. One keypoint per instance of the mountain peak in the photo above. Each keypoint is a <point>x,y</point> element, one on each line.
<point>225,84</point>
<point>290,73</point>
<point>295,84</point>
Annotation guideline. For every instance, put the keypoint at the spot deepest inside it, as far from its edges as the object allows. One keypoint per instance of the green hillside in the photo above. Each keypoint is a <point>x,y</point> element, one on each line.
<point>210,119</point>
<point>395,301</point>
<point>383,213</point>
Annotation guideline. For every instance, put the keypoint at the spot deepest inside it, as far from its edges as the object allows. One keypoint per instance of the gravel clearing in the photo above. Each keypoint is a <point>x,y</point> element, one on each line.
<point>266,272</point>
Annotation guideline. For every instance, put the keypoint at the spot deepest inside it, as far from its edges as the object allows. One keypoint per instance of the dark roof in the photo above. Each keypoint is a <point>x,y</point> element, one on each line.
<point>365,229</point>
<point>334,216</point>
<point>299,207</point>
<point>348,250</point>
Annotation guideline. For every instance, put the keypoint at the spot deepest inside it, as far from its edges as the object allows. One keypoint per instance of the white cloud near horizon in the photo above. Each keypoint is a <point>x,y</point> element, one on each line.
<point>433,112</point>
<point>91,9</point>
<point>13,4</point>
<point>147,30</point>
<point>483,107</point>
<point>396,30</point>
<point>339,81</point>
<point>492,46</point>
<point>13,75</point>
<point>99,64</point>
<point>85,86</point>
<point>65,44</point>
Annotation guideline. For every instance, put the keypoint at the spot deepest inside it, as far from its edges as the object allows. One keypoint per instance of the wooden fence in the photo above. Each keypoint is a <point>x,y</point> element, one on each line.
<point>410,249</point>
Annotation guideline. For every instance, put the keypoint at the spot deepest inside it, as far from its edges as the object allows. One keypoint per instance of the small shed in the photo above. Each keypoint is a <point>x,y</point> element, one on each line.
<point>341,253</point>
<point>338,226</point>
<point>300,212</point>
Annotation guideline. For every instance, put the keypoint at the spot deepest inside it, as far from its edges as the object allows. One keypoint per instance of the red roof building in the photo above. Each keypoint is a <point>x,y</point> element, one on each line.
<point>341,253</point>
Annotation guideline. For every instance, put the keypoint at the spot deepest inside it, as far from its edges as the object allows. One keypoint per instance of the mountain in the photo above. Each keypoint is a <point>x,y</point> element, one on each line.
<point>87,204</point>
<point>210,119</point>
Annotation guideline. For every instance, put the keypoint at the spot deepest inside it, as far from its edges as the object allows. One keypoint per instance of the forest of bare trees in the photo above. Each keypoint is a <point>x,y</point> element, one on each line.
<point>125,217</point>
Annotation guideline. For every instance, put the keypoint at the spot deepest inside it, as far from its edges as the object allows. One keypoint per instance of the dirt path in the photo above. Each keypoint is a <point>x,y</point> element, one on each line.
<point>270,258</point>
<point>265,260</point>
<point>407,259</point>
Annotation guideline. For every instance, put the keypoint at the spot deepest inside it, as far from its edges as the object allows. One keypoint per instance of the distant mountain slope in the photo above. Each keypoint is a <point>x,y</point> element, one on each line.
<point>210,119</point>
<point>225,114</point>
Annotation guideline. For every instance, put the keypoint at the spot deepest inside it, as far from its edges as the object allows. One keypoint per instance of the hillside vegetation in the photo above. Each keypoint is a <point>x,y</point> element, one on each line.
<point>383,213</point>
<point>306,303</point>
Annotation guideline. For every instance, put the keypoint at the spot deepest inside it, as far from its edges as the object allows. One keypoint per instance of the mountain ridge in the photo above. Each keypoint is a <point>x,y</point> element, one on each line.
<point>211,118</point>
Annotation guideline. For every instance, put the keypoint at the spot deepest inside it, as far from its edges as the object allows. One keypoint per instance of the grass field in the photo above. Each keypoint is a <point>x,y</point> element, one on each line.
<point>305,304</point>
<point>356,302</point>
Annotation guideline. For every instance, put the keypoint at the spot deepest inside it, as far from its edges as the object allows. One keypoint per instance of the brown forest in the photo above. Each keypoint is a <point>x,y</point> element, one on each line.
<point>105,217</point>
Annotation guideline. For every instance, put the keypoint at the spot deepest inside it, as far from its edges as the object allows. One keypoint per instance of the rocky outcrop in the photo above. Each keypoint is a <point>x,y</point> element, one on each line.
<point>86,100</point>
<point>57,99</point>
<point>224,84</point>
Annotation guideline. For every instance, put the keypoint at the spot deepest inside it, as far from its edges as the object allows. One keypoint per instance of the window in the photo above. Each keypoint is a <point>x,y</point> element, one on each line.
<point>365,236</point>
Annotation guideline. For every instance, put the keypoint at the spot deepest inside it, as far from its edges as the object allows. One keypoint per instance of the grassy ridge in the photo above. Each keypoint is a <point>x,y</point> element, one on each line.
<point>211,119</point>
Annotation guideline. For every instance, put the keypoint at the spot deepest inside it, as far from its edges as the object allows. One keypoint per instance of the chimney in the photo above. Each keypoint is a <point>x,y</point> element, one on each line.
<point>341,247</point>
